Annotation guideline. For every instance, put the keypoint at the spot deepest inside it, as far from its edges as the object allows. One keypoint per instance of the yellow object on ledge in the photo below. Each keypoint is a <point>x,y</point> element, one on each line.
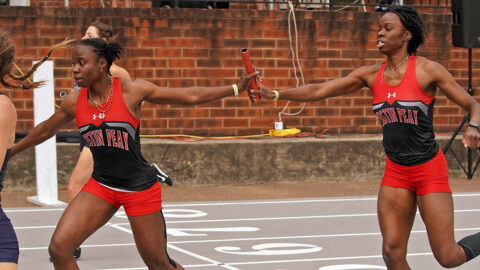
<point>283,132</point>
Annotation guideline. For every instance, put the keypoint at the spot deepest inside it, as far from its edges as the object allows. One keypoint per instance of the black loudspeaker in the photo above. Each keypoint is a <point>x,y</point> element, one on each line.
<point>466,23</point>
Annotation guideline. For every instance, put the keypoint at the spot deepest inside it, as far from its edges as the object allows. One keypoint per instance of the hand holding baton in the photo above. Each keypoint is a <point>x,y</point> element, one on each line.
<point>249,68</point>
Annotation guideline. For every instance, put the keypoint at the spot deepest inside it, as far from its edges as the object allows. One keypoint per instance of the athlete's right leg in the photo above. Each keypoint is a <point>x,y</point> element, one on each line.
<point>396,212</point>
<point>80,174</point>
<point>151,241</point>
<point>83,216</point>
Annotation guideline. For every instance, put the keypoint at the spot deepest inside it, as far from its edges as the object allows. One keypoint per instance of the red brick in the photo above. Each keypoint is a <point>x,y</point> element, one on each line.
<point>181,63</point>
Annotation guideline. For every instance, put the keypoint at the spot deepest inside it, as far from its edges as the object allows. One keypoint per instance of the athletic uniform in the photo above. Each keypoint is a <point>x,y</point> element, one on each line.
<point>83,143</point>
<point>121,175</point>
<point>8,239</point>
<point>405,111</point>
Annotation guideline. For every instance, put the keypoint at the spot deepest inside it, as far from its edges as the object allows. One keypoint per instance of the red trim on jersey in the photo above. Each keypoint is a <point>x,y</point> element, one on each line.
<point>88,114</point>
<point>407,89</point>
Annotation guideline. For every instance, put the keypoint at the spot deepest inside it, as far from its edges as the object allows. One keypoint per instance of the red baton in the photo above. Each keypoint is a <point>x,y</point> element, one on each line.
<point>249,68</point>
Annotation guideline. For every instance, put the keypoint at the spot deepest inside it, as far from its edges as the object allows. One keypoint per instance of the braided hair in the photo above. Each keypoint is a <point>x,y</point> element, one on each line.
<point>412,22</point>
<point>109,50</point>
<point>7,57</point>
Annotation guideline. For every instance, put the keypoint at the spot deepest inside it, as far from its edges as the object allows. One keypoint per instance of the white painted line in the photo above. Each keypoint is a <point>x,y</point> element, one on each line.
<point>271,202</point>
<point>280,201</point>
<point>226,266</point>
<point>238,219</point>
<point>250,239</point>
<point>326,259</point>
<point>118,227</point>
<point>82,246</point>
<point>289,261</point>
<point>35,227</point>
<point>347,199</point>
<point>304,236</point>
<point>285,218</point>
<point>33,210</point>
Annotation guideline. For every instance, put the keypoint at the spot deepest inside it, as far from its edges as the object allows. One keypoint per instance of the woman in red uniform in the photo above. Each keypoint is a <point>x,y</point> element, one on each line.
<point>83,169</point>
<point>107,111</point>
<point>416,172</point>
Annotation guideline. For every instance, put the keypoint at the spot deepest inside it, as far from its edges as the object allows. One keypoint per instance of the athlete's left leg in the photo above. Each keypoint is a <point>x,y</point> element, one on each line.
<point>436,210</point>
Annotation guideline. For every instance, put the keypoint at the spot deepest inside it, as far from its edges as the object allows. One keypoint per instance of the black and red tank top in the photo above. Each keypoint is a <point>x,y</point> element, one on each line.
<point>405,112</point>
<point>4,165</point>
<point>114,140</point>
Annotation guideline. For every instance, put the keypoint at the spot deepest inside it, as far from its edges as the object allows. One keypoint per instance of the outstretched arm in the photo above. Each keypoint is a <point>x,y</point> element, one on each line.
<point>140,90</point>
<point>314,92</point>
<point>49,127</point>
<point>447,84</point>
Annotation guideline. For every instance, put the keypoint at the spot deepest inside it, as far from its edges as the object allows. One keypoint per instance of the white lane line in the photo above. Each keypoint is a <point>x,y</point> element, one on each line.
<point>252,239</point>
<point>238,219</point>
<point>304,236</point>
<point>289,261</point>
<point>324,259</point>
<point>203,258</point>
<point>348,199</point>
<point>118,227</point>
<point>82,246</point>
<point>271,202</point>
<point>285,218</point>
<point>35,227</point>
<point>33,210</point>
<point>280,201</point>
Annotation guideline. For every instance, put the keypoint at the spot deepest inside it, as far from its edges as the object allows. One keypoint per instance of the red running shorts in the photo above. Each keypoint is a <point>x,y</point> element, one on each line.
<point>429,177</point>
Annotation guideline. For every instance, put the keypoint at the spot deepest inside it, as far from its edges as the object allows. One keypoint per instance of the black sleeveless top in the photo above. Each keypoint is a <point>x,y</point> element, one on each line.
<point>4,168</point>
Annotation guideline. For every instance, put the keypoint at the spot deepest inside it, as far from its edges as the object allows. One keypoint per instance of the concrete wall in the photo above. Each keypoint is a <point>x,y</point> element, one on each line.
<point>238,162</point>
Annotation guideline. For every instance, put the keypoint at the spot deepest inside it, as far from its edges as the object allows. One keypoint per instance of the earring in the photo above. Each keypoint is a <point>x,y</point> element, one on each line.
<point>101,69</point>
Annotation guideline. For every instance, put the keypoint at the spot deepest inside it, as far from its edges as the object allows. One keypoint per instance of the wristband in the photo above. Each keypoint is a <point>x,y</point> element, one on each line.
<point>235,89</point>
<point>474,125</point>
<point>277,95</point>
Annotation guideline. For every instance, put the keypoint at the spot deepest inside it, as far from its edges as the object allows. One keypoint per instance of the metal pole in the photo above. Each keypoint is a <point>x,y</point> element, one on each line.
<point>470,90</point>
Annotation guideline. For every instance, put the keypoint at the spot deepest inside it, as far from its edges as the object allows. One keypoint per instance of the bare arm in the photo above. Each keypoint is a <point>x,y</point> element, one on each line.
<point>8,120</point>
<point>447,84</point>
<point>49,127</point>
<point>313,92</point>
<point>139,90</point>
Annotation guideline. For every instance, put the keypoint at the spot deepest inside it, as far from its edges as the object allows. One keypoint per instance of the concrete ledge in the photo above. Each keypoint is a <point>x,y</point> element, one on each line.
<point>244,161</point>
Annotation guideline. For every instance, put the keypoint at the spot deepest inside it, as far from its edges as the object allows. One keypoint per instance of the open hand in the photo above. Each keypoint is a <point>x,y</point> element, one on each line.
<point>471,138</point>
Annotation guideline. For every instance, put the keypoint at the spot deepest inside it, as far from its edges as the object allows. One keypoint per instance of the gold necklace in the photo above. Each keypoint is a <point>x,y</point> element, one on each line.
<point>102,113</point>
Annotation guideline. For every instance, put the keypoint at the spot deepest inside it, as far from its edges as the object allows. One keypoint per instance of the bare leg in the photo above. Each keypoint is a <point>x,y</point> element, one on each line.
<point>151,240</point>
<point>8,266</point>
<point>80,174</point>
<point>83,216</point>
<point>437,214</point>
<point>396,213</point>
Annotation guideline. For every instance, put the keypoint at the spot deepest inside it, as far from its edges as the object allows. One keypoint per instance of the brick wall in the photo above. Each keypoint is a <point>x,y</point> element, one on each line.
<point>186,47</point>
<point>92,3</point>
